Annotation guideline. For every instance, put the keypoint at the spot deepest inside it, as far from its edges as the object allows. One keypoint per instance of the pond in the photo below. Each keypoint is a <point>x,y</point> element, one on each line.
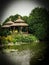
<point>30,55</point>
<point>20,58</point>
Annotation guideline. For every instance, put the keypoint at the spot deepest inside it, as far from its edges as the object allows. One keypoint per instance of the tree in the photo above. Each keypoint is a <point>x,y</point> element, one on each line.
<point>25,18</point>
<point>38,23</point>
<point>12,17</point>
<point>15,17</point>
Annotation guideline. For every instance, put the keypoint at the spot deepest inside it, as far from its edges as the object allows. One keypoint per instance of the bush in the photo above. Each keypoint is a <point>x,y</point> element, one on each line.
<point>19,38</point>
<point>4,32</point>
<point>14,41</point>
<point>9,38</point>
<point>24,38</point>
<point>3,40</point>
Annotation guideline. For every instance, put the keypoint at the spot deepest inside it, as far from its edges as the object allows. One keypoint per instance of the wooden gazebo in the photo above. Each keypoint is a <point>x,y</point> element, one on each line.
<point>7,25</point>
<point>19,25</point>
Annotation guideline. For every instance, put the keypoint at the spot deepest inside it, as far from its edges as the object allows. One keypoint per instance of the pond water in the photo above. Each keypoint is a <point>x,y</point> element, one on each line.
<point>29,54</point>
<point>19,57</point>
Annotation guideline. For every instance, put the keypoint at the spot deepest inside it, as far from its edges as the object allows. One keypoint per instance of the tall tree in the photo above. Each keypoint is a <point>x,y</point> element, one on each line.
<point>25,18</point>
<point>38,23</point>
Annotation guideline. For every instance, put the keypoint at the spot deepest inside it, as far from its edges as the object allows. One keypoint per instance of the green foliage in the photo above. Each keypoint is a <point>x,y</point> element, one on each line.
<point>4,32</point>
<point>12,17</point>
<point>25,18</point>
<point>24,38</point>
<point>14,41</point>
<point>3,40</point>
<point>38,22</point>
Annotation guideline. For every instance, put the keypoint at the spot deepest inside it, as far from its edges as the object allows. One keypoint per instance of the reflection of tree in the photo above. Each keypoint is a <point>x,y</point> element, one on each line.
<point>40,56</point>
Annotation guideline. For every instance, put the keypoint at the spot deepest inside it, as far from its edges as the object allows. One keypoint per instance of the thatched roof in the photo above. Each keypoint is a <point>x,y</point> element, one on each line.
<point>5,26</point>
<point>9,22</point>
<point>19,24</point>
<point>19,20</point>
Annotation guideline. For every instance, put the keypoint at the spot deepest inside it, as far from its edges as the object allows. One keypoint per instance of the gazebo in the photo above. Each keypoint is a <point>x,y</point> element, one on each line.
<point>7,25</point>
<point>19,25</point>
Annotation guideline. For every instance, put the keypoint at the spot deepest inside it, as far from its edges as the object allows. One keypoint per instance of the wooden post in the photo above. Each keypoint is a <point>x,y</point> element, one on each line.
<point>21,29</point>
<point>14,28</point>
<point>27,29</point>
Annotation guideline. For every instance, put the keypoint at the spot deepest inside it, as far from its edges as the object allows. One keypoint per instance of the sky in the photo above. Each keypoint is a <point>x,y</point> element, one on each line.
<point>22,7</point>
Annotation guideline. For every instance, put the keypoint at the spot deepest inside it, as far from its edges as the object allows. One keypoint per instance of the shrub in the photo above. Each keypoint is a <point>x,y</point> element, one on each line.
<point>4,32</point>
<point>24,38</point>
<point>9,38</point>
<point>19,38</point>
<point>3,40</point>
<point>14,41</point>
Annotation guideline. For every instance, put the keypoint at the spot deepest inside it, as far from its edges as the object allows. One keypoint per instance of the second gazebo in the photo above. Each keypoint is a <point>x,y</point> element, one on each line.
<point>20,25</point>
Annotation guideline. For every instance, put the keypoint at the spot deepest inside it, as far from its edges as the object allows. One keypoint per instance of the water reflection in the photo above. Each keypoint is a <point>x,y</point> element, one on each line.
<point>34,56</point>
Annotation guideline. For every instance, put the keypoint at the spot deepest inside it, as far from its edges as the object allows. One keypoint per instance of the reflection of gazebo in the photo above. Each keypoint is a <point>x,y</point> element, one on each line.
<point>19,24</point>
